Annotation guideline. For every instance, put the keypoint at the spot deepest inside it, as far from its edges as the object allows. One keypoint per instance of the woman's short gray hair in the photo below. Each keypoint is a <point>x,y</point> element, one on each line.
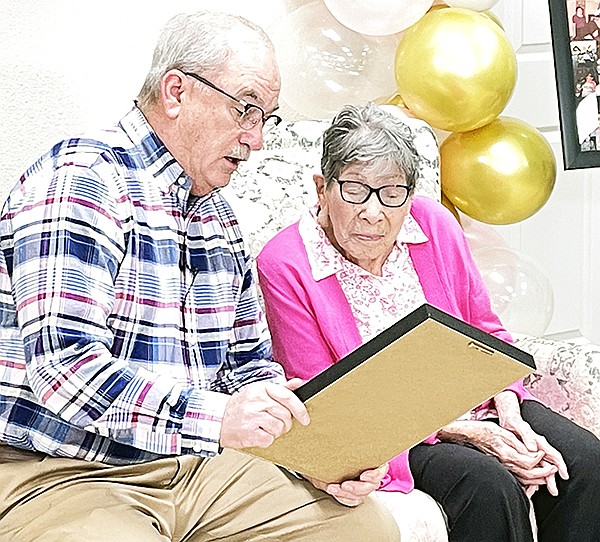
<point>194,42</point>
<point>371,135</point>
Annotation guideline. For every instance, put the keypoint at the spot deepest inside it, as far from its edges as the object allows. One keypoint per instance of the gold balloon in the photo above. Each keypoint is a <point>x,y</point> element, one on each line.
<point>455,69</point>
<point>450,206</point>
<point>396,99</point>
<point>501,173</point>
<point>487,13</point>
<point>435,7</point>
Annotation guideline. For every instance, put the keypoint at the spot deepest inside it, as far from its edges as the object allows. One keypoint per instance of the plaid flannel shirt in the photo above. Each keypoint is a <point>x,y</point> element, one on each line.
<point>127,317</point>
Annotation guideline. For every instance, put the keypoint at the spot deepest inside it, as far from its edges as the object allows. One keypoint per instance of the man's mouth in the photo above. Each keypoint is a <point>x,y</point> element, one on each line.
<point>237,156</point>
<point>233,160</point>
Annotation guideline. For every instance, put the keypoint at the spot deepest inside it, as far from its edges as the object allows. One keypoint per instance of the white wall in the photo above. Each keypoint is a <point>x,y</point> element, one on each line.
<point>68,64</point>
<point>564,236</point>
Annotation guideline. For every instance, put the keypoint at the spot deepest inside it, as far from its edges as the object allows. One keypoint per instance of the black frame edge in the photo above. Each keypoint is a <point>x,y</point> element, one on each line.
<point>400,328</point>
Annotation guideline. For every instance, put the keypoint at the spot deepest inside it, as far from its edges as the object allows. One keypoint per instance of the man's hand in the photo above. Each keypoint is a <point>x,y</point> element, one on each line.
<point>353,492</point>
<point>260,412</point>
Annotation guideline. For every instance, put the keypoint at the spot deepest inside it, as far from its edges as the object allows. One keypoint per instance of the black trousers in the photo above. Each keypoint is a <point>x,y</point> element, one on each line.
<point>485,503</point>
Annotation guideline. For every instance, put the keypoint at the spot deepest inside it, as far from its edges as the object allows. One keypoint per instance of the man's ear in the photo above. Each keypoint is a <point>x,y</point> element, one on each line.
<point>171,92</point>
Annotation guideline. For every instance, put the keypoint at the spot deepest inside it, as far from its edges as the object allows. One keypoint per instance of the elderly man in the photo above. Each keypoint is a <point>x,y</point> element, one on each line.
<point>133,358</point>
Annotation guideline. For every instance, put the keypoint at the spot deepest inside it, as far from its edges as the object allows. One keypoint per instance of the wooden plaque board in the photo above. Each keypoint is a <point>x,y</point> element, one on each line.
<point>393,392</point>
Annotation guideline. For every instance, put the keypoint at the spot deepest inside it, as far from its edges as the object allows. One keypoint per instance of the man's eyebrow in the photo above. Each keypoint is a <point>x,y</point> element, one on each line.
<point>251,94</point>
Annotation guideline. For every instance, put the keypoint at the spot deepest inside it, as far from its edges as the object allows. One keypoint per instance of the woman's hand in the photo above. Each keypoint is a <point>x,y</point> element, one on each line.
<point>491,439</point>
<point>530,468</point>
<point>529,456</point>
<point>509,415</point>
<point>353,492</point>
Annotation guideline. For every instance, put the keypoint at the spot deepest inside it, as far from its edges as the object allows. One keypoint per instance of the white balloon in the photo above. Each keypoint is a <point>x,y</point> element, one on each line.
<point>520,292</point>
<point>378,17</point>
<point>325,65</point>
<point>477,5</point>
<point>480,235</point>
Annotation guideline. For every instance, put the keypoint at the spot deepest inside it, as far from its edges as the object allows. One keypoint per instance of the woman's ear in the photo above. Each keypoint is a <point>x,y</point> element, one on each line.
<point>319,184</point>
<point>323,211</point>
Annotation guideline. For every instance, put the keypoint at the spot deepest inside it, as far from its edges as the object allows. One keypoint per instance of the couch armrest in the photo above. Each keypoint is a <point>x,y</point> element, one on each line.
<point>567,378</point>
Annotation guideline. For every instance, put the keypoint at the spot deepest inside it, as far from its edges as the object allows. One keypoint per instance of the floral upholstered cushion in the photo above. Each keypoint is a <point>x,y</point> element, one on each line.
<point>567,378</point>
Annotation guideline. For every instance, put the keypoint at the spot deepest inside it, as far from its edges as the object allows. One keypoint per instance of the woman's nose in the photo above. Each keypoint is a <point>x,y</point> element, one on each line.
<point>372,208</point>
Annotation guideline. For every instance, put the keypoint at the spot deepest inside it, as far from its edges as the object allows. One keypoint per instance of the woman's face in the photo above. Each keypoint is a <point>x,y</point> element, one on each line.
<point>364,233</point>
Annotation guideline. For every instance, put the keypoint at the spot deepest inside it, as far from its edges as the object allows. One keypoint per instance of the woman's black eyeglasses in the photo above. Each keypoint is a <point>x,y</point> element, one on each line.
<point>390,195</point>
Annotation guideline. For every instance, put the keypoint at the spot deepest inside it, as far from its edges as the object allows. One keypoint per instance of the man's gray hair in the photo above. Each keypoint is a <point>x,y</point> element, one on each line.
<point>194,42</point>
<point>371,135</point>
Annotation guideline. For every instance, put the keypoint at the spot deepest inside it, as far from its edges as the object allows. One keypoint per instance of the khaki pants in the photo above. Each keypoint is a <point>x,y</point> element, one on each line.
<point>230,497</point>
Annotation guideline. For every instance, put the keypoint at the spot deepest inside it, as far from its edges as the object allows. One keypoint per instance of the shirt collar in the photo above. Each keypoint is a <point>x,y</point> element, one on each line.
<point>325,260</point>
<point>153,154</point>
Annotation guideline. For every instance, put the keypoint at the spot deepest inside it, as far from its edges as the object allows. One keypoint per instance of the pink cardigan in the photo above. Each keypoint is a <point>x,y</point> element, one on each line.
<point>311,322</point>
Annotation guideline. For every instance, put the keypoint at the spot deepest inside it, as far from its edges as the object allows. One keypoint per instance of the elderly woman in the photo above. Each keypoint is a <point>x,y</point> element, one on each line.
<point>369,254</point>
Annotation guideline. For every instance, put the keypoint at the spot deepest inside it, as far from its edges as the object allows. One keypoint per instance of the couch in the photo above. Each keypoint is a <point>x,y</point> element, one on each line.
<point>272,190</point>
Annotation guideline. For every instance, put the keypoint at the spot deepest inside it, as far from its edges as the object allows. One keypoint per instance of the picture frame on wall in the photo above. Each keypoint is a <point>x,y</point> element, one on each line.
<point>575,28</point>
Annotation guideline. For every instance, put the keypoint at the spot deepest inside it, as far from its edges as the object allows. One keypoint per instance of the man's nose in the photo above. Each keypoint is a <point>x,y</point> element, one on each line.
<point>253,137</point>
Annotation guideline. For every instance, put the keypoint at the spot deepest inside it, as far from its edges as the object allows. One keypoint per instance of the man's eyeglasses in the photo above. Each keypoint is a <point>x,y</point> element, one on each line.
<point>250,114</point>
<point>390,195</point>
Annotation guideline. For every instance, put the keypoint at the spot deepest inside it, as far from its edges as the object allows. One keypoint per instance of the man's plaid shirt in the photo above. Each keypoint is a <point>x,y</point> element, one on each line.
<point>127,316</point>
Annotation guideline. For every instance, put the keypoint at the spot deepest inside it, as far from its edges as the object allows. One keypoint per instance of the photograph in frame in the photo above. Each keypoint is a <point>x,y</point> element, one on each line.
<point>575,27</point>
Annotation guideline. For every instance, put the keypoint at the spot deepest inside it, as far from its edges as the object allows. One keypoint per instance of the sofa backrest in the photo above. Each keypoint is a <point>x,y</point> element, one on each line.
<point>275,187</point>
